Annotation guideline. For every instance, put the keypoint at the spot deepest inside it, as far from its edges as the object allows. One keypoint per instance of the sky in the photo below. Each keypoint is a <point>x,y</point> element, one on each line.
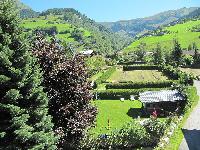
<point>113,10</point>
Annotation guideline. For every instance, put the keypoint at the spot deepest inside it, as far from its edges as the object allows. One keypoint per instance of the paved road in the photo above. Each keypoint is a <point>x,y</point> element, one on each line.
<point>191,129</point>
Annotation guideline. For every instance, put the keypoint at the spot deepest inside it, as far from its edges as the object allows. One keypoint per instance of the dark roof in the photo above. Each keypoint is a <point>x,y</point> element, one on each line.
<point>161,96</point>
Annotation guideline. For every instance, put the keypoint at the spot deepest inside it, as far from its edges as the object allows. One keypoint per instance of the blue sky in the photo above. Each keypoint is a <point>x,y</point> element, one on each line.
<point>113,10</point>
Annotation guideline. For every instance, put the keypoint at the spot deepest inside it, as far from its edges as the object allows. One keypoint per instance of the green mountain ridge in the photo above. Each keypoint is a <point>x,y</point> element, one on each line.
<point>26,11</point>
<point>104,38</point>
<point>143,25</point>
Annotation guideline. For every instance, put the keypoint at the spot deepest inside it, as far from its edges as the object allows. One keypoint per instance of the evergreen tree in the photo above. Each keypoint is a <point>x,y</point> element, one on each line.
<point>24,123</point>
<point>158,55</point>
<point>141,51</point>
<point>176,54</point>
<point>189,47</point>
<point>196,56</point>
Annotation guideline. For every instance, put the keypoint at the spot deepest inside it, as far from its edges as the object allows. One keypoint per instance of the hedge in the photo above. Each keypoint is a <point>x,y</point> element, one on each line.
<point>141,67</point>
<point>105,75</point>
<point>132,63</point>
<point>137,85</point>
<point>118,93</point>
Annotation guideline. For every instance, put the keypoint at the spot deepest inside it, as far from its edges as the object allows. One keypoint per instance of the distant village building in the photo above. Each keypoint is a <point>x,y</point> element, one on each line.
<point>190,52</point>
<point>149,53</point>
<point>88,53</point>
<point>162,101</point>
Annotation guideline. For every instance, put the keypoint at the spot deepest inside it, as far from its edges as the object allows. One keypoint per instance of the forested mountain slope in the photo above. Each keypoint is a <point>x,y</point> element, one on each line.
<point>26,11</point>
<point>142,25</point>
<point>103,39</point>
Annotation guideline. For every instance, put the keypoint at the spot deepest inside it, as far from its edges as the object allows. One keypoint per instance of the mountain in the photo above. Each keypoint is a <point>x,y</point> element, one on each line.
<point>142,25</point>
<point>26,11</point>
<point>104,39</point>
<point>186,32</point>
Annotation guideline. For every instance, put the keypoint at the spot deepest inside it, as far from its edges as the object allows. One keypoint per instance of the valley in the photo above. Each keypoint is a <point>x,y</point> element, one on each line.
<point>70,82</point>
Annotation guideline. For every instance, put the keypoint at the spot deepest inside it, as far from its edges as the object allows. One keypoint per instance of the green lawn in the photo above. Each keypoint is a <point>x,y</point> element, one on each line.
<point>182,32</point>
<point>118,112</point>
<point>137,76</point>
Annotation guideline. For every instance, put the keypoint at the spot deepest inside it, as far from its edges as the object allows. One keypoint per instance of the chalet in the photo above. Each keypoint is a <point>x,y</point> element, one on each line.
<point>163,102</point>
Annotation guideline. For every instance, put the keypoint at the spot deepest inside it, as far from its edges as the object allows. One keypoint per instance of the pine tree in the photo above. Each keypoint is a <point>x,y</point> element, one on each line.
<point>196,56</point>
<point>158,55</point>
<point>176,53</point>
<point>24,122</point>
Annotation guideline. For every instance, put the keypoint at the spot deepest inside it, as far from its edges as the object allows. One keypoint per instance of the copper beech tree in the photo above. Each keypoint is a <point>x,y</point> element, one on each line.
<point>65,81</point>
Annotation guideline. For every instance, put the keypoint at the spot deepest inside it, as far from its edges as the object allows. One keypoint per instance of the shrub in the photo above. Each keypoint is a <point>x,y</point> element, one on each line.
<point>95,64</point>
<point>192,97</point>
<point>137,85</point>
<point>177,74</point>
<point>131,136</point>
<point>141,67</point>
<point>118,93</point>
<point>47,30</point>
<point>155,128</point>
<point>106,75</point>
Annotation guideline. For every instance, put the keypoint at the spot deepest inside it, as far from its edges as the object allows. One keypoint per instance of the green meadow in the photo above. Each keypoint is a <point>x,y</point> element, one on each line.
<point>181,32</point>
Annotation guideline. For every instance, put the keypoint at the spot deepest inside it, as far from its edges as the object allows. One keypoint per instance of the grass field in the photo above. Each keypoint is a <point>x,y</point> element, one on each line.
<point>119,113</point>
<point>34,23</point>
<point>137,76</point>
<point>182,32</point>
<point>195,72</point>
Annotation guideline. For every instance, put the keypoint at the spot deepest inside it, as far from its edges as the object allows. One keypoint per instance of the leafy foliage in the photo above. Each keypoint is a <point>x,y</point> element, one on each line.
<point>95,64</point>
<point>132,135</point>
<point>106,75</point>
<point>66,84</point>
<point>24,119</point>
<point>177,74</point>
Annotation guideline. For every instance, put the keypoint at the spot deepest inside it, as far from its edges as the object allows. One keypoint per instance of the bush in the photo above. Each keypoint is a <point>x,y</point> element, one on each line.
<point>159,84</point>
<point>192,97</point>
<point>47,30</point>
<point>141,67</point>
<point>132,135</point>
<point>118,93</point>
<point>95,64</point>
<point>155,128</point>
<point>177,74</point>
<point>105,75</point>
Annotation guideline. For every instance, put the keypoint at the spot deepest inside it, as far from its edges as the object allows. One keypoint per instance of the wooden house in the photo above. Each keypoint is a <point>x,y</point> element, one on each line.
<point>164,102</point>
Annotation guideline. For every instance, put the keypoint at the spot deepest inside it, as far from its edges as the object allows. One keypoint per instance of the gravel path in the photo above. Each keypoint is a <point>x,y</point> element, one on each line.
<point>191,128</point>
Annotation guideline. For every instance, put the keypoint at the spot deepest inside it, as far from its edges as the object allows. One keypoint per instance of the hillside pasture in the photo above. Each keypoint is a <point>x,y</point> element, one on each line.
<point>137,76</point>
<point>51,21</point>
<point>182,32</point>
